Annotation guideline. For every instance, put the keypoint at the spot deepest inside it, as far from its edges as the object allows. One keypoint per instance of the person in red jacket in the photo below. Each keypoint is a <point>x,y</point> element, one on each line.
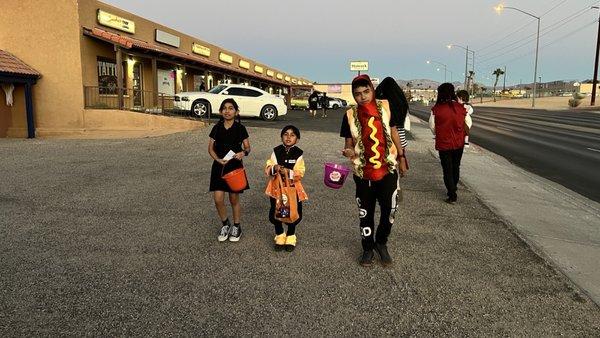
<point>447,122</point>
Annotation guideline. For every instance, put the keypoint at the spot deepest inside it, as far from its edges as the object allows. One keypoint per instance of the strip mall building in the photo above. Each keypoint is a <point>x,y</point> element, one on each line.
<point>94,69</point>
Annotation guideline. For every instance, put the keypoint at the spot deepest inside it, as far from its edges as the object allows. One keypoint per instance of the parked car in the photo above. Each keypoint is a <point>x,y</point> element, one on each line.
<point>335,103</point>
<point>251,100</point>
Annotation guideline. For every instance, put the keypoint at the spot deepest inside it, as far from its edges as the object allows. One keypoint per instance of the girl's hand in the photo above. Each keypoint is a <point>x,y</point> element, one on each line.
<point>281,170</point>
<point>239,155</point>
<point>349,153</point>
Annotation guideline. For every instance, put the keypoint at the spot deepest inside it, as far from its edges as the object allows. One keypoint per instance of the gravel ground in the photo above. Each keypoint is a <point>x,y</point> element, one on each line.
<point>118,237</point>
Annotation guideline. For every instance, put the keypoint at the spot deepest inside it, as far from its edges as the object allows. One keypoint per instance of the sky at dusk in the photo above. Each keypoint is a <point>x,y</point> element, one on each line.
<point>317,39</point>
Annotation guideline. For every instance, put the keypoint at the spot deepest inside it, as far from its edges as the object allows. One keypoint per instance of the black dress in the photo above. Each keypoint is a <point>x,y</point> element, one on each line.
<point>226,140</point>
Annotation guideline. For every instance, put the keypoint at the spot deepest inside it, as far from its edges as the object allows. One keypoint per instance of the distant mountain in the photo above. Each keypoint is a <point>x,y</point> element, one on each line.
<point>423,83</point>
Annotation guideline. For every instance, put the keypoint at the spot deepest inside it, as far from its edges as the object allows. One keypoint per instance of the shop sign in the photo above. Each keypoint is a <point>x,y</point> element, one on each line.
<point>116,22</point>
<point>359,66</point>
<point>167,38</point>
<point>280,76</point>
<point>225,57</point>
<point>244,64</point>
<point>270,73</point>
<point>334,88</point>
<point>200,50</point>
<point>259,69</point>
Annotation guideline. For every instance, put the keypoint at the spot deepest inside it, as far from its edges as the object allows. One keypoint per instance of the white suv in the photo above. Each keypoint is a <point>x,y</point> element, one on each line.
<point>251,100</point>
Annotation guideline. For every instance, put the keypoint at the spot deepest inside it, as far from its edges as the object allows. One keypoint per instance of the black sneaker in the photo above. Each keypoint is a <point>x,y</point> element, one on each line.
<point>450,200</point>
<point>384,255</point>
<point>224,233</point>
<point>235,233</point>
<point>367,258</point>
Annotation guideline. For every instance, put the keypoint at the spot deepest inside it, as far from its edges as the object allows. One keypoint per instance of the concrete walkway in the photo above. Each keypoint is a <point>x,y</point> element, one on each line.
<point>118,238</point>
<point>558,223</point>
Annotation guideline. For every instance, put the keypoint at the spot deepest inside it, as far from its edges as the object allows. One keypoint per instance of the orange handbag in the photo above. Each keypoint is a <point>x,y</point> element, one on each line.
<point>286,207</point>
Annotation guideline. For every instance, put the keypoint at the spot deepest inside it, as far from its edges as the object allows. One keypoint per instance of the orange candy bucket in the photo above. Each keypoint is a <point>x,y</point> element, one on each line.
<point>236,179</point>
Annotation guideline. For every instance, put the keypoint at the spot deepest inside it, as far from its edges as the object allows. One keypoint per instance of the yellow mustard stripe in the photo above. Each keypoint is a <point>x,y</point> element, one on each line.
<point>373,159</point>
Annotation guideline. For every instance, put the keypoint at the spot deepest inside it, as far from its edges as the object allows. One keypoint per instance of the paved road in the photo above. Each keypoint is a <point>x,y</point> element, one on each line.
<point>562,146</point>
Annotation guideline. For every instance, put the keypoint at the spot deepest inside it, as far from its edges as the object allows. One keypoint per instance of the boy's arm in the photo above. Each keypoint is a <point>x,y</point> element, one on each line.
<point>348,148</point>
<point>271,163</point>
<point>299,169</point>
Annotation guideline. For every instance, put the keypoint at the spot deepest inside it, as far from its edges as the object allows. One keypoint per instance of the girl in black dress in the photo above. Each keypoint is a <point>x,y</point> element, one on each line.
<point>227,135</point>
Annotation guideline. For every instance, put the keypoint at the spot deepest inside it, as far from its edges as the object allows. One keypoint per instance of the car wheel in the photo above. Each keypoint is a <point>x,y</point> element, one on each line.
<point>335,106</point>
<point>200,108</point>
<point>268,113</point>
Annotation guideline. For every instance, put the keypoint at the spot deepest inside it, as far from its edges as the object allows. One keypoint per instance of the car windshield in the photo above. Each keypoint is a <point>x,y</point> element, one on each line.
<point>217,89</point>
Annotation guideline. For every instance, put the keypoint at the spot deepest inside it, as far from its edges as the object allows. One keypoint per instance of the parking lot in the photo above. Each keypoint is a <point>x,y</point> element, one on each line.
<point>118,238</point>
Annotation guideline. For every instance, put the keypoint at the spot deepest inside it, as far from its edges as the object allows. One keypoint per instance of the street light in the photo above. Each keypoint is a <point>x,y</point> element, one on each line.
<point>466,61</point>
<point>441,64</point>
<point>499,10</point>
<point>595,78</point>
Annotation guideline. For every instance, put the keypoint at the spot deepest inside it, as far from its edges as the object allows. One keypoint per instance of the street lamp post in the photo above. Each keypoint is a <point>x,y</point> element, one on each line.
<point>499,10</point>
<point>467,51</point>
<point>441,64</point>
<point>595,78</point>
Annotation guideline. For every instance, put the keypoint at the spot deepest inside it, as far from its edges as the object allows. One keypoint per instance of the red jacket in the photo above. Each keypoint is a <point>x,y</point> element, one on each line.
<point>449,125</point>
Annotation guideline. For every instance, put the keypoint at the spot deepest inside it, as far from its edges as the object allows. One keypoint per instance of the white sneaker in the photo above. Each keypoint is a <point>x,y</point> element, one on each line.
<point>224,233</point>
<point>235,233</point>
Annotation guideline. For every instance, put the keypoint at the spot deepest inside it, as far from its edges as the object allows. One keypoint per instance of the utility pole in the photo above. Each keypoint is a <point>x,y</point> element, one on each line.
<point>594,79</point>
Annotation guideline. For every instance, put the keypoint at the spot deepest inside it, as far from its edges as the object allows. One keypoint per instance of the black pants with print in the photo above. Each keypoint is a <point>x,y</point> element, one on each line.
<point>368,193</point>
<point>278,224</point>
<point>450,160</point>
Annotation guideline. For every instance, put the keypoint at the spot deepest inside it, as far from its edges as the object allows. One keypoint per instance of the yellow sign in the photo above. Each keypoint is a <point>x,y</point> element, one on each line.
<point>244,64</point>
<point>259,69</point>
<point>201,50</point>
<point>280,76</point>
<point>116,22</point>
<point>359,66</point>
<point>270,73</point>
<point>225,57</point>
<point>287,78</point>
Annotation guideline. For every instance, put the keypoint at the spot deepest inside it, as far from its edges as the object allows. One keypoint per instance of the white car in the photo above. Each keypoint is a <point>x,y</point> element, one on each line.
<point>251,100</point>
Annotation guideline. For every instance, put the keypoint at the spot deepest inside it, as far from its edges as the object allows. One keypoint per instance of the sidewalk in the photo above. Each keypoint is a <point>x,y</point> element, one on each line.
<point>561,225</point>
<point>118,238</point>
<point>548,103</point>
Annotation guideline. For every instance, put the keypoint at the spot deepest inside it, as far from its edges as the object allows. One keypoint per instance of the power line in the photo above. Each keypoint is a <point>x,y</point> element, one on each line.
<point>532,36</point>
<point>559,3</point>
<point>547,44</point>
<point>554,7</point>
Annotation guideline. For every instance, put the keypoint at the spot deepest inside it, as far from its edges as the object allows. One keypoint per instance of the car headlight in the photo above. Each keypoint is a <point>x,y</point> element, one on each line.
<point>185,98</point>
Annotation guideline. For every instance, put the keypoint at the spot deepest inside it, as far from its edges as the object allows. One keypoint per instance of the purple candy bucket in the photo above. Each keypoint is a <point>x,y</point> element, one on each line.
<point>335,175</point>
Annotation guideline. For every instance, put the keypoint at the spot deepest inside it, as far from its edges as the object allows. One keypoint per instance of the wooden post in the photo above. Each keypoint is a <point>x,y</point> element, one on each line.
<point>119,76</point>
<point>29,108</point>
<point>154,82</point>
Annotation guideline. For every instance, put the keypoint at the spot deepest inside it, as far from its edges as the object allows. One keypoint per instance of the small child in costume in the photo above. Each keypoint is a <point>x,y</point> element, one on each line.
<point>286,159</point>
<point>463,97</point>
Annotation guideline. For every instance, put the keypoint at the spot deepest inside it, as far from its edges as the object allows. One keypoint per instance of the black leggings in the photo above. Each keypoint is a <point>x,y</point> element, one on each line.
<point>278,224</point>
<point>384,191</point>
<point>450,160</point>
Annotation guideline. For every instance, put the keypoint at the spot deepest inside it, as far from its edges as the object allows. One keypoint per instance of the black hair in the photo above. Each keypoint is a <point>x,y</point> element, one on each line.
<point>445,93</point>
<point>238,119</point>
<point>463,95</point>
<point>389,90</point>
<point>294,129</point>
<point>229,100</point>
<point>363,82</point>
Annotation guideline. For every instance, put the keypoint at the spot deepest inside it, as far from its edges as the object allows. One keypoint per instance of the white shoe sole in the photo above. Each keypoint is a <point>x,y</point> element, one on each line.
<point>221,239</point>
<point>234,239</point>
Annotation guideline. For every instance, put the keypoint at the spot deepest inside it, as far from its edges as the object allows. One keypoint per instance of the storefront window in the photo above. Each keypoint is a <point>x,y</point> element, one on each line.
<point>107,76</point>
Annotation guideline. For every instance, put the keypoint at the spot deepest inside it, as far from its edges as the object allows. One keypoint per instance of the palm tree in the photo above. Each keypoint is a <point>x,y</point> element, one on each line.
<point>498,72</point>
<point>470,81</point>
